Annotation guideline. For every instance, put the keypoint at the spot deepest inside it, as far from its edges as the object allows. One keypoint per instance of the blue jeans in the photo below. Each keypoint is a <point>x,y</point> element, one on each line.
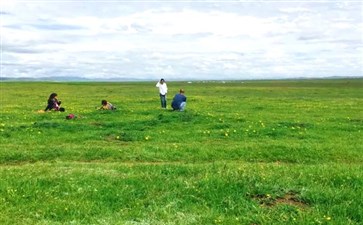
<point>163,101</point>
<point>182,106</point>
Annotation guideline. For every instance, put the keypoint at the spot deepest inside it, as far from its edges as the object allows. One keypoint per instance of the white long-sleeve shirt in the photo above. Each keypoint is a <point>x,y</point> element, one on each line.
<point>163,89</point>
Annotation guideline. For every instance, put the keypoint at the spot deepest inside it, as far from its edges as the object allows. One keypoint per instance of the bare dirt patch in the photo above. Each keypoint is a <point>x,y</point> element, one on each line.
<point>289,198</point>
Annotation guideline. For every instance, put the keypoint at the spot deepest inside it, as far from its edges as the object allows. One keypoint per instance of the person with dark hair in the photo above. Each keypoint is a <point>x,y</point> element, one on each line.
<point>107,105</point>
<point>163,89</point>
<point>179,101</point>
<point>54,103</point>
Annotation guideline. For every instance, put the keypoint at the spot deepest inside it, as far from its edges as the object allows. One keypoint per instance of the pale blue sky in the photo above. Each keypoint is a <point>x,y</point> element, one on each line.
<point>181,40</point>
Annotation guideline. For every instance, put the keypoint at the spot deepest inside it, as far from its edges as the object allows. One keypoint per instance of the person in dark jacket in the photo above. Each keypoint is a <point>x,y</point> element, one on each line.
<point>54,103</point>
<point>179,101</point>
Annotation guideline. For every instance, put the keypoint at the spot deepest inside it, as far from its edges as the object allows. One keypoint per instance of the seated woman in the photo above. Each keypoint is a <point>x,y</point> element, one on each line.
<point>107,105</point>
<point>54,103</point>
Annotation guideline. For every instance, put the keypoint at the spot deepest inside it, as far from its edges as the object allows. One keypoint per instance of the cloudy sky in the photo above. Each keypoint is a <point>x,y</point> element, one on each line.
<point>181,40</point>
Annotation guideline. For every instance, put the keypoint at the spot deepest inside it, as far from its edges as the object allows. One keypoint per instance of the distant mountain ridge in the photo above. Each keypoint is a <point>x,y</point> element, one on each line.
<point>67,78</point>
<point>125,79</point>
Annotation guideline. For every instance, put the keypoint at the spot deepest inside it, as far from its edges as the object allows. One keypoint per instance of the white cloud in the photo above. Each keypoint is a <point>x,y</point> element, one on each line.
<point>207,41</point>
<point>295,10</point>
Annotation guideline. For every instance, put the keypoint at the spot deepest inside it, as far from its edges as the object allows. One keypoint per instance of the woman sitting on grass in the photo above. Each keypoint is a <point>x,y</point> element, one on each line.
<point>54,103</point>
<point>107,106</point>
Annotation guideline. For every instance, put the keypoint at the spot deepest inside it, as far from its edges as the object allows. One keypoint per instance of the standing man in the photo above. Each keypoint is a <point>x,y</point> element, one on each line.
<point>163,89</point>
<point>179,101</point>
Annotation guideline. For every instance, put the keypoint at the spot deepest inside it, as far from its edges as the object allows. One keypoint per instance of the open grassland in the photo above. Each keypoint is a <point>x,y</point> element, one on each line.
<point>254,152</point>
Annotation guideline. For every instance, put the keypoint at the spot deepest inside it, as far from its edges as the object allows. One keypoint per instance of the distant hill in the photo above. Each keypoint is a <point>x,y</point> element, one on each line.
<point>65,78</point>
<point>125,79</point>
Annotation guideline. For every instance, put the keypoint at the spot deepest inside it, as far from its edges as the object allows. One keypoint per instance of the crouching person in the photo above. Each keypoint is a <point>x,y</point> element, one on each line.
<point>179,101</point>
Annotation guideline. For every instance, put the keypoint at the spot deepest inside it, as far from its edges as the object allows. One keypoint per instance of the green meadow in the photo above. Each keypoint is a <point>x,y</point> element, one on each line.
<point>252,152</point>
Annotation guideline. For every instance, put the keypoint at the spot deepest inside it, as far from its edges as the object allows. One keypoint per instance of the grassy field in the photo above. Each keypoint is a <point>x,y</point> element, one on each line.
<point>253,152</point>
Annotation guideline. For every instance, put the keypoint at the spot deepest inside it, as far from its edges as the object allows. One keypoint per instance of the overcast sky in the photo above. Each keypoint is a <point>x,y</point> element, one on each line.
<point>181,40</point>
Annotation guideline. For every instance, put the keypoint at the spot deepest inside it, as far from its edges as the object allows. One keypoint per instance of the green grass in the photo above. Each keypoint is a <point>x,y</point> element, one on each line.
<point>254,152</point>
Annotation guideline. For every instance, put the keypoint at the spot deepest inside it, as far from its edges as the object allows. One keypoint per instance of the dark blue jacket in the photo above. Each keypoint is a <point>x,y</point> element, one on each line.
<point>177,100</point>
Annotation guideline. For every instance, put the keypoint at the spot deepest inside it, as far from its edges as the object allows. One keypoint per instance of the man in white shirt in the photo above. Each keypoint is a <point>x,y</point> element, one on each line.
<point>163,89</point>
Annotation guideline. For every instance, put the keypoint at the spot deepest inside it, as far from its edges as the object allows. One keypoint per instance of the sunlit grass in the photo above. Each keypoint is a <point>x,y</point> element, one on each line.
<point>267,152</point>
